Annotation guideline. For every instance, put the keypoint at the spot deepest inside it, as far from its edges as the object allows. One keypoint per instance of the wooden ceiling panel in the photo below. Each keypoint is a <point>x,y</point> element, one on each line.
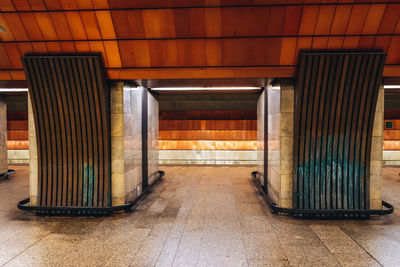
<point>46,26</point>
<point>128,24</point>
<point>90,24</point>
<point>335,42</point>
<point>54,47</point>
<point>213,52</point>
<point>53,4</point>
<point>382,42</point>
<point>197,22</point>
<point>390,19</point>
<point>182,21</point>
<point>39,47</point>
<point>14,55</point>
<point>31,26</point>
<point>209,40</point>
<point>112,52</point>
<point>69,4</point>
<point>84,4</point>
<point>366,42</point>
<point>63,31</point>
<point>22,5</point>
<point>68,47</point>
<point>17,28</point>
<point>5,61</point>
<point>251,21</point>
<point>276,20</point>
<point>76,25</point>
<point>393,56</point>
<point>292,20</point>
<point>288,51</point>
<point>213,22</point>
<point>106,24</point>
<point>351,42</point>
<point>37,5</point>
<point>357,19</point>
<point>170,53</point>
<point>341,19</point>
<point>98,47</point>
<point>166,23</point>
<point>82,46</point>
<point>373,19</point>
<point>25,48</point>
<point>100,4</point>
<point>6,5</point>
<point>325,19</point>
<point>320,43</point>
<point>8,35</point>
<point>308,20</point>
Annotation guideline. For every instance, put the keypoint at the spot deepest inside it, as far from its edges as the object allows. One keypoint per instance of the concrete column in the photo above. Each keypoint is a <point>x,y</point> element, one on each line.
<point>33,159</point>
<point>3,137</point>
<point>375,190</point>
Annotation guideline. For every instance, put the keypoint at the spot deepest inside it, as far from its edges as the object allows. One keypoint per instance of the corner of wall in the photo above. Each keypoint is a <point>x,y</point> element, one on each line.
<point>33,160</point>
<point>376,165</point>
<point>117,144</point>
<point>286,143</point>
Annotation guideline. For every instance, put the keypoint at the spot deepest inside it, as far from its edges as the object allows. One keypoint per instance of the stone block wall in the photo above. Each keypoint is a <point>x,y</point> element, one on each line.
<point>126,142</point>
<point>3,137</point>
<point>152,138</point>
<point>375,182</point>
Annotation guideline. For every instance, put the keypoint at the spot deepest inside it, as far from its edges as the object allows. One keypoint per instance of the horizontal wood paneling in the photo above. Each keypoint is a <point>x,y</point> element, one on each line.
<point>227,33</point>
<point>209,115</point>
<point>17,135</point>
<point>17,125</point>
<point>206,145</point>
<point>70,102</point>
<point>207,135</point>
<point>208,125</point>
<point>336,95</point>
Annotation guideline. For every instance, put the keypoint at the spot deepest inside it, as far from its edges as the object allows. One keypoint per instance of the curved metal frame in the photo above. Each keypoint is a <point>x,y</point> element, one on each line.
<point>86,211</point>
<point>324,213</point>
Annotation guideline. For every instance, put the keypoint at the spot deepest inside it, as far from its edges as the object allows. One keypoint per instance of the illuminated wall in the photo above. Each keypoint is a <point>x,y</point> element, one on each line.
<point>208,129</point>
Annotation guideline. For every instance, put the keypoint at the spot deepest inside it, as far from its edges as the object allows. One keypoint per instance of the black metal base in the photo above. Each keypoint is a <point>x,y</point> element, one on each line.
<point>87,211</point>
<point>7,174</point>
<point>323,213</point>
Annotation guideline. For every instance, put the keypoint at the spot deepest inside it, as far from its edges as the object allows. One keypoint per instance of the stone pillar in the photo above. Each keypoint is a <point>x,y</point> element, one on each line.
<point>286,143</point>
<point>33,158</point>
<point>375,182</point>
<point>3,137</point>
<point>126,143</point>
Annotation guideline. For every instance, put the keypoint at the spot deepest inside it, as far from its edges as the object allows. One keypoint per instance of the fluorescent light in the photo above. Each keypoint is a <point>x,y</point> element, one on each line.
<point>391,86</point>
<point>3,90</point>
<point>203,88</point>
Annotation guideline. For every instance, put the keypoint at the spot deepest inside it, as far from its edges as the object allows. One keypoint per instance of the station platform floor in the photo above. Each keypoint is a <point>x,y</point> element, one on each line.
<point>197,216</point>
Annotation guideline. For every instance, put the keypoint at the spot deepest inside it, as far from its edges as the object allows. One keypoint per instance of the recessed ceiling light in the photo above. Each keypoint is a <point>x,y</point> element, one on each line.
<point>391,86</point>
<point>6,90</point>
<point>203,88</point>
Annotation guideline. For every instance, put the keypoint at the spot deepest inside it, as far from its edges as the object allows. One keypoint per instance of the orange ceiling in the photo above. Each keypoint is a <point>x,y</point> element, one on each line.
<point>158,39</point>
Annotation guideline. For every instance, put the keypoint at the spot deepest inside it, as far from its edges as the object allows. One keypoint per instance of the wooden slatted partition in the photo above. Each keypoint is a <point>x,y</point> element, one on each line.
<point>70,104</point>
<point>335,102</point>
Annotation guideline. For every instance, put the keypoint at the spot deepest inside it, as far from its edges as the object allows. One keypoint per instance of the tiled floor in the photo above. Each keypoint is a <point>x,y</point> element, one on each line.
<point>198,216</point>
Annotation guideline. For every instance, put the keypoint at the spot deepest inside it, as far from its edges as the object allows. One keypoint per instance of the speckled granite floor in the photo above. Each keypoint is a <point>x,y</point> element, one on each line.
<point>198,216</point>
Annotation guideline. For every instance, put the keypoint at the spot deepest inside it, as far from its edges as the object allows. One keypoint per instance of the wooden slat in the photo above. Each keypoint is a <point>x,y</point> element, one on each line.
<point>69,98</point>
<point>332,154</point>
